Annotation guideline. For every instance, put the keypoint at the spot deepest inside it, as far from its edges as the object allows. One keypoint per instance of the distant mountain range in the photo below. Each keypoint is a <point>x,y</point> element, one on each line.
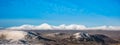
<point>46,26</point>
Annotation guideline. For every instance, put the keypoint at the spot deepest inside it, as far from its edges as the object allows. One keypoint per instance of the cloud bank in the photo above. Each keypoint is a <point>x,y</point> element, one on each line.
<point>46,26</point>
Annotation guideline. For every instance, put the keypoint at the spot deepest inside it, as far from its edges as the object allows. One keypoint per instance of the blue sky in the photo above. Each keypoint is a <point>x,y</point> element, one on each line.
<point>56,12</point>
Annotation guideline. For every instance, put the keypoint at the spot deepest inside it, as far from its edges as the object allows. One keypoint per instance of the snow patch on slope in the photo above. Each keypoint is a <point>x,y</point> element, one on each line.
<point>12,35</point>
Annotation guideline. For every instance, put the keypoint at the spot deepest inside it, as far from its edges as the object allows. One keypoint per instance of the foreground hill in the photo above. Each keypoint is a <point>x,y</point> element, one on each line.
<point>56,38</point>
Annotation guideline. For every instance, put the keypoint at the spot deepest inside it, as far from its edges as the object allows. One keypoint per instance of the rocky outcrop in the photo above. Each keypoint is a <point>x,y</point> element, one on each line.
<point>85,37</point>
<point>81,36</point>
<point>103,39</point>
<point>36,36</point>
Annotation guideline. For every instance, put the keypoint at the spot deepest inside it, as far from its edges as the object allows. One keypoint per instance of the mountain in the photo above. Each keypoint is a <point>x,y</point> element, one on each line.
<point>60,38</point>
<point>46,26</point>
<point>97,38</point>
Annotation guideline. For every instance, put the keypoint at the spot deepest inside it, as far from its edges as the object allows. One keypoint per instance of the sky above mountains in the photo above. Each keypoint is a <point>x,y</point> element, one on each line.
<point>56,12</point>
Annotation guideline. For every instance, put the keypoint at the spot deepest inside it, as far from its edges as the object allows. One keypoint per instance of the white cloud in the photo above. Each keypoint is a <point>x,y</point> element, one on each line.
<point>46,26</point>
<point>105,28</point>
<point>27,27</point>
<point>99,27</point>
<point>43,26</point>
<point>69,27</point>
